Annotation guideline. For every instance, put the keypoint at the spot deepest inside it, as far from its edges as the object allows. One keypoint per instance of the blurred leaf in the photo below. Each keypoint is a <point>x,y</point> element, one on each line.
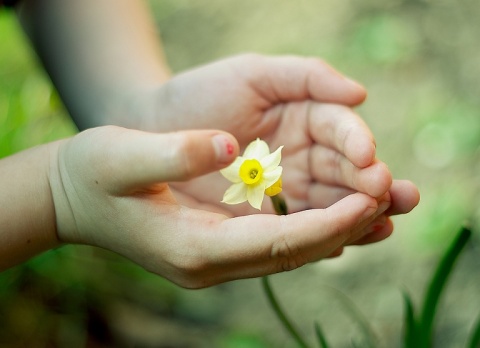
<point>322,341</point>
<point>352,310</point>
<point>409,324</point>
<point>437,284</point>
<point>474,339</point>
<point>242,340</point>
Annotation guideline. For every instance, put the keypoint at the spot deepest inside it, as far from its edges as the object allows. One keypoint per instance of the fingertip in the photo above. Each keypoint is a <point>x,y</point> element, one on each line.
<point>358,94</point>
<point>329,85</point>
<point>204,151</point>
<point>358,142</point>
<point>336,253</point>
<point>226,148</point>
<point>377,235</point>
<point>363,151</point>
<point>380,177</point>
<point>412,191</point>
<point>405,197</point>
<point>357,207</point>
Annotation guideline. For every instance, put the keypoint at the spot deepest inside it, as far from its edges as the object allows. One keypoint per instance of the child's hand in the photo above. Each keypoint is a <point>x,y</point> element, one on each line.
<point>298,102</point>
<point>109,190</point>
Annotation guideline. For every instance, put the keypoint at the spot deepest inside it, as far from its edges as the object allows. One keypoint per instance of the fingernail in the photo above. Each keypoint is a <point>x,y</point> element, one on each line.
<point>224,148</point>
<point>379,224</point>
<point>377,227</point>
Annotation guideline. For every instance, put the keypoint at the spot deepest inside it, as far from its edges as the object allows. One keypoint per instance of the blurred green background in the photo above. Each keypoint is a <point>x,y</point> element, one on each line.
<point>420,62</point>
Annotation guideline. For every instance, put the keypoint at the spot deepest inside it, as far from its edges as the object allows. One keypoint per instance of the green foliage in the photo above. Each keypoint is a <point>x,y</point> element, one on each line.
<point>242,340</point>
<point>418,328</point>
<point>409,323</point>
<point>281,315</point>
<point>474,337</point>
<point>322,340</point>
<point>436,286</point>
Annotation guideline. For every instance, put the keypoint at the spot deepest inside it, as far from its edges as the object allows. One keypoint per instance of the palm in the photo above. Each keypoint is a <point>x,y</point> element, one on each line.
<point>288,129</point>
<point>299,103</point>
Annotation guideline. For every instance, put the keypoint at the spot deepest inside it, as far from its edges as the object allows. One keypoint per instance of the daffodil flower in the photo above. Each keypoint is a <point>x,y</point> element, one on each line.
<point>253,175</point>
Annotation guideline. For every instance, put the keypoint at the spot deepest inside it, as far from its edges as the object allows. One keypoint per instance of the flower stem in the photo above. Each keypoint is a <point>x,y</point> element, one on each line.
<point>279,205</point>
<point>281,314</point>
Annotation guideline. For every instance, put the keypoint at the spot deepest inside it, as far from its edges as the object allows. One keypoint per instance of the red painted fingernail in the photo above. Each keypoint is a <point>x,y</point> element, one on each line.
<point>230,147</point>
<point>224,148</point>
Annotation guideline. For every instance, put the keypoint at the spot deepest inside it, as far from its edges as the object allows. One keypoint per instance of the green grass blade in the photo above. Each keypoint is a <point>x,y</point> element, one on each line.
<point>474,339</point>
<point>281,314</point>
<point>322,341</point>
<point>409,324</point>
<point>437,284</point>
<point>352,310</point>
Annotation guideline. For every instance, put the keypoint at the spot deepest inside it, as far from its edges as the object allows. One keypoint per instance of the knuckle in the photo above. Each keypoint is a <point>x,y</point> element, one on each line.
<point>181,156</point>
<point>192,155</point>
<point>287,254</point>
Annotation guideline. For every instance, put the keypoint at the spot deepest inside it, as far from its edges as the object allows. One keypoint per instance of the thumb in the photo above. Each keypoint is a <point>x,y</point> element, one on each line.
<point>135,159</point>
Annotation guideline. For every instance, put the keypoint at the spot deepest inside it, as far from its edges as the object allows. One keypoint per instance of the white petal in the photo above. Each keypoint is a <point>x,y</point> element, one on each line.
<point>232,172</point>
<point>272,160</point>
<point>256,149</point>
<point>271,177</point>
<point>237,193</point>
<point>255,195</point>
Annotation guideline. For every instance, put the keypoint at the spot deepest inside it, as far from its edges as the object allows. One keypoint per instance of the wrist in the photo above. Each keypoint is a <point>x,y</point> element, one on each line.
<point>28,217</point>
<point>65,224</point>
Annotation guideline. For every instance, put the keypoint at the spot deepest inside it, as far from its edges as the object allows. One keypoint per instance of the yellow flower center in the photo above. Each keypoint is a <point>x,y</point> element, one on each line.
<point>251,171</point>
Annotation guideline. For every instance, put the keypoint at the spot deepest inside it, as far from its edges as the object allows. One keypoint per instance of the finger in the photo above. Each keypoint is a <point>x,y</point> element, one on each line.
<point>336,253</point>
<point>379,233</point>
<point>290,78</point>
<point>132,159</point>
<point>405,197</point>
<point>257,245</point>
<point>332,168</point>
<point>377,219</point>
<point>339,128</point>
<point>322,196</point>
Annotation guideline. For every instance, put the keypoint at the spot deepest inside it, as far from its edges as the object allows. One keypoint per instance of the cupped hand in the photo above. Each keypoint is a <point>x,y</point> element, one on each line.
<point>109,187</point>
<point>301,103</point>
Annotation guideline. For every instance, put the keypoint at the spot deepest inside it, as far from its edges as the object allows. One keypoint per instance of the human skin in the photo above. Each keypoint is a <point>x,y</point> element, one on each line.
<point>110,69</point>
<point>108,187</point>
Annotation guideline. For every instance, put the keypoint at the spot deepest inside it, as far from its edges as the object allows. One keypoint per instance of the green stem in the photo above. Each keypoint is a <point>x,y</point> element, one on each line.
<point>281,314</point>
<point>437,284</point>
<point>322,341</point>
<point>279,205</point>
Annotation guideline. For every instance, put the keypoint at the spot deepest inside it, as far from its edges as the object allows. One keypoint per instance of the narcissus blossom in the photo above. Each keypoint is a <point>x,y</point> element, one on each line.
<point>253,175</point>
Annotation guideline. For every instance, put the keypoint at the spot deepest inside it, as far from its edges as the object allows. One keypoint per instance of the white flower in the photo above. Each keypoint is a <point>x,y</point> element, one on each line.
<point>252,173</point>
